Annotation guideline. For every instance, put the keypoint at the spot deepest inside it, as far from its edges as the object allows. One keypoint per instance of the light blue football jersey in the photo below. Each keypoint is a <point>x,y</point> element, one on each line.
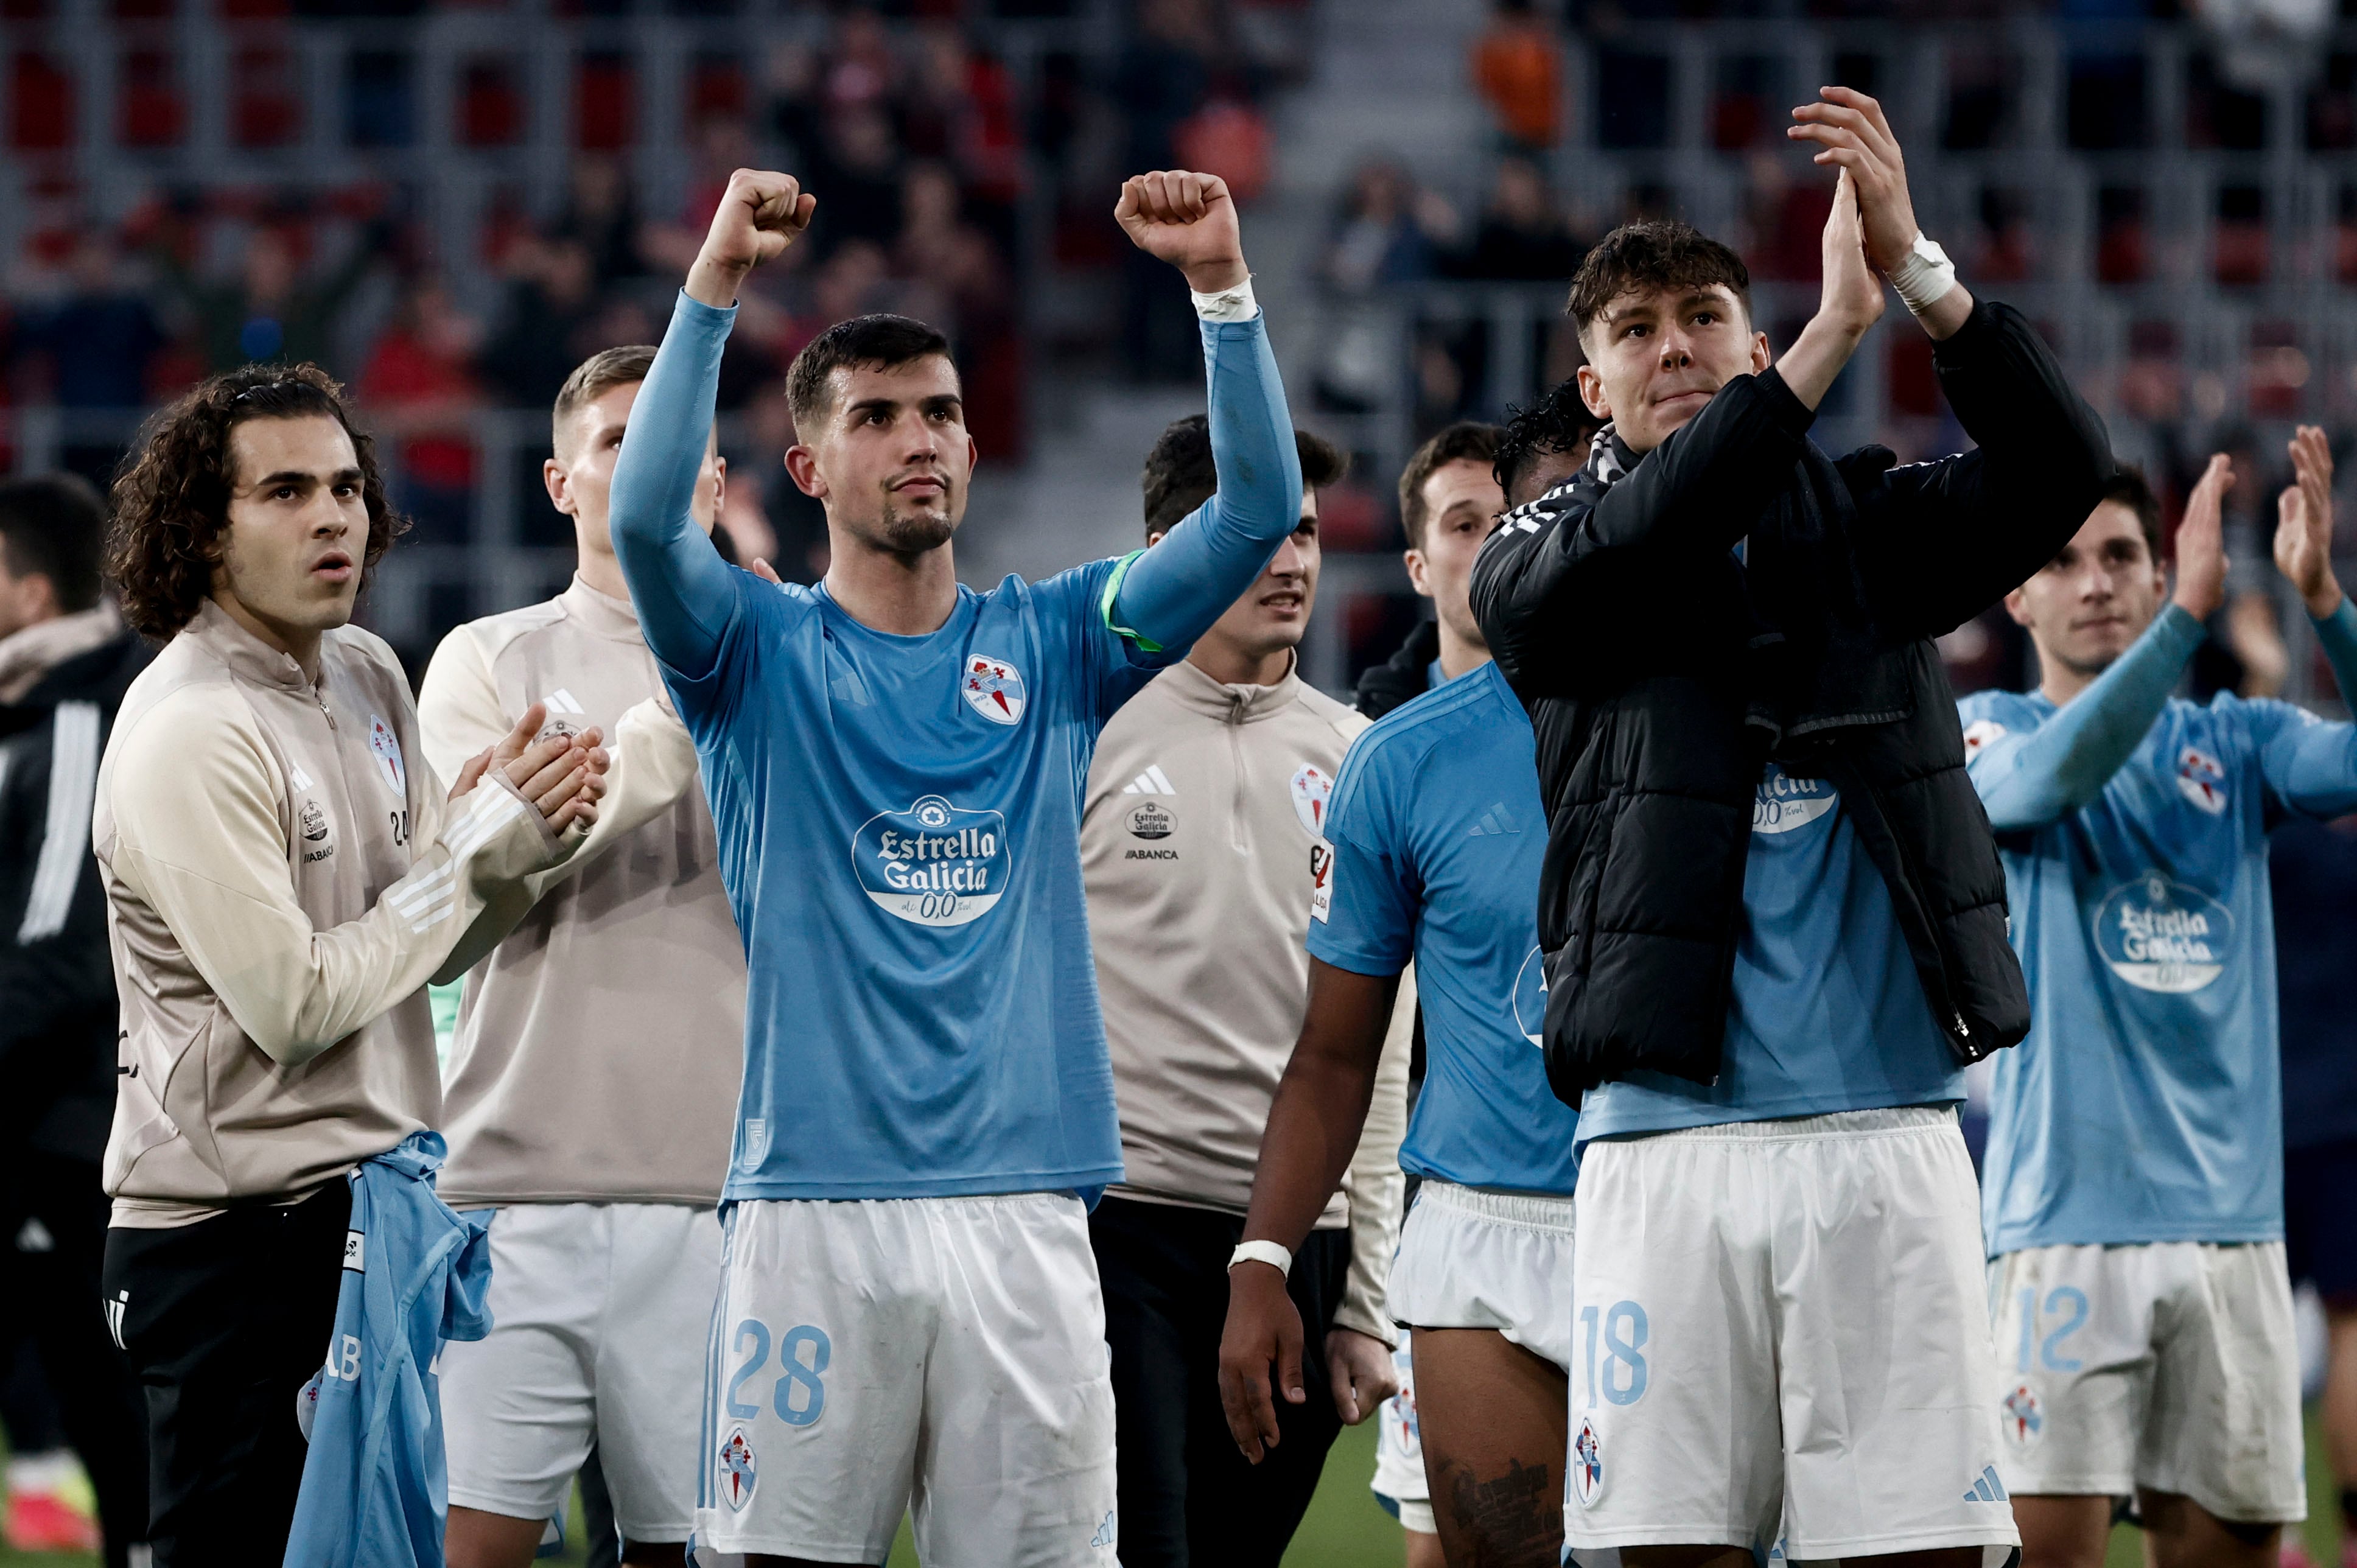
<point>1438,834</point>
<point>1827,1012</point>
<point>898,824</point>
<point>2146,1104</point>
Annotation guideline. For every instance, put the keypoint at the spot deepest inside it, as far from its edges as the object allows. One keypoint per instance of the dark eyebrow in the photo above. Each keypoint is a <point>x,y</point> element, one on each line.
<point>299,477</point>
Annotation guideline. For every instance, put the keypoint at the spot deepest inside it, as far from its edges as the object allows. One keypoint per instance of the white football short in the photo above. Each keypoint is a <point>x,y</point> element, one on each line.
<point>1399,1482</point>
<point>1784,1320</point>
<point>1471,1259</point>
<point>943,1357</point>
<point>599,1312</point>
<point>2172,1366</point>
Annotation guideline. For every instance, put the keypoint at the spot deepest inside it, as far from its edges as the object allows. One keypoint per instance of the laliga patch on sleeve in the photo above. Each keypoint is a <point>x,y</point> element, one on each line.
<point>1321,880</point>
<point>1978,734</point>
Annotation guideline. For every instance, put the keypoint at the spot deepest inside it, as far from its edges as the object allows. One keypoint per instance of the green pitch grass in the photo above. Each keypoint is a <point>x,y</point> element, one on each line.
<point>1345,1528</point>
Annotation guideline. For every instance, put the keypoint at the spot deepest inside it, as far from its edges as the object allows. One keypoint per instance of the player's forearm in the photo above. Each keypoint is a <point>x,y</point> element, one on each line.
<point>2338,633</point>
<point>2066,763</point>
<point>1374,1184</point>
<point>1320,1110</point>
<point>1172,594</point>
<point>295,990</point>
<point>681,586</point>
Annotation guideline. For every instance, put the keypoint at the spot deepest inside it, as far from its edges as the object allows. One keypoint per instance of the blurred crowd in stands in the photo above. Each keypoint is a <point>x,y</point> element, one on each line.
<point>948,179</point>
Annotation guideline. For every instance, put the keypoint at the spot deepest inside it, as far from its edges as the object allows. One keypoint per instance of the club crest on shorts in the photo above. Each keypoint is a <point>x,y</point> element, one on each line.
<point>1310,788</point>
<point>738,1473</point>
<point>2022,1416</point>
<point>385,746</point>
<point>2201,778</point>
<point>993,688</point>
<point>1586,1464</point>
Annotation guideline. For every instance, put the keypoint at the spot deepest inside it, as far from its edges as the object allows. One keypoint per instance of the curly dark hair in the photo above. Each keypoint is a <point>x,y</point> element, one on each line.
<point>171,495</point>
<point>1558,421</point>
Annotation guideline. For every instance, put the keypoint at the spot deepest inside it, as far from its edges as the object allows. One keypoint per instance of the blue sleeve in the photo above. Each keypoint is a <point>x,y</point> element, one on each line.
<point>2031,779</point>
<point>2309,764</point>
<point>1373,894</point>
<point>684,592</point>
<point>1166,597</point>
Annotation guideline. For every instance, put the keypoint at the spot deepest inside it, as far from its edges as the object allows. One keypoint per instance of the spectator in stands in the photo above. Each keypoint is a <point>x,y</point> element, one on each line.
<point>1390,230</point>
<point>601,213</point>
<point>65,660</point>
<point>97,343</point>
<point>857,166</point>
<point>1523,236</point>
<point>1518,67</point>
<point>1162,79</point>
<point>420,389</point>
<point>2313,867</point>
<point>270,311</point>
<point>552,294</point>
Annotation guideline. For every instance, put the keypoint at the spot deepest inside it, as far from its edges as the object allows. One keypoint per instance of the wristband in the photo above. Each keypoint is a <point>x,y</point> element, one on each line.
<point>1924,278</point>
<point>1267,1253</point>
<point>1235,303</point>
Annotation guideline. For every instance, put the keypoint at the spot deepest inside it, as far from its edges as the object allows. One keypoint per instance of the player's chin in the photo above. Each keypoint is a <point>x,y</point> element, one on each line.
<point>915,530</point>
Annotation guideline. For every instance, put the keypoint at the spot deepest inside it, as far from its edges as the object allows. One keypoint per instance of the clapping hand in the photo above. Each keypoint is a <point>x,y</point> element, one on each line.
<point>2304,523</point>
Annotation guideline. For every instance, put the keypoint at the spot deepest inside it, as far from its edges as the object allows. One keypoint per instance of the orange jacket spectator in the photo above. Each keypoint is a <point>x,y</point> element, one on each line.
<point>1518,67</point>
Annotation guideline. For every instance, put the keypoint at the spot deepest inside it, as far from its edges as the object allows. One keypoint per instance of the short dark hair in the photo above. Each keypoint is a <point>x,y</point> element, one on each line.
<point>2130,489</point>
<point>171,497</point>
<point>883,342</point>
<point>54,526</point>
<point>1558,421</point>
<point>1650,255</point>
<point>1468,440</point>
<point>596,376</point>
<point>1179,477</point>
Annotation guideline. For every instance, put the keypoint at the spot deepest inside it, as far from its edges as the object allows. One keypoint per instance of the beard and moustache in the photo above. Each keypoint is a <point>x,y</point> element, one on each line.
<point>905,531</point>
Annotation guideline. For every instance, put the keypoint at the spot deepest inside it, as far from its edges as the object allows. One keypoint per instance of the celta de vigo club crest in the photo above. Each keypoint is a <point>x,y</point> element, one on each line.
<point>992,687</point>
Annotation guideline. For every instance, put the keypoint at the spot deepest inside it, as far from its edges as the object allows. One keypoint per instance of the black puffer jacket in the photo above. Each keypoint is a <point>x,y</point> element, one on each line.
<point>1661,671</point>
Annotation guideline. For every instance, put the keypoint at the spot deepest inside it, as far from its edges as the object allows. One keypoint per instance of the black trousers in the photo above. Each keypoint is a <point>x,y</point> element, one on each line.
<point>1187,1496</point>
<point>50,1295</point>
<point>224,1321</point>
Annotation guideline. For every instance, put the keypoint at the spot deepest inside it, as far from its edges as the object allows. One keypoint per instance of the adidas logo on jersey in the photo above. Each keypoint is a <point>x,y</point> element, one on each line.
<point>1494,821</point>
<point>1989,1488</point>
<point>1151,782</point>
<point>562,702</point>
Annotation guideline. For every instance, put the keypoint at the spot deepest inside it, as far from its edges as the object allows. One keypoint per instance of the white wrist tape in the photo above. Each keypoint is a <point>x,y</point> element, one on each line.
<point>1235,303</point>
<point>1924,278</point>
<point>1267,1253</point>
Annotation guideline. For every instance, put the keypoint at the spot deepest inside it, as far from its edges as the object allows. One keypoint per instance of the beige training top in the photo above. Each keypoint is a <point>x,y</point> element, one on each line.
<point>1204,802</point>
<point>283,876</point>
<point>600,1048</point>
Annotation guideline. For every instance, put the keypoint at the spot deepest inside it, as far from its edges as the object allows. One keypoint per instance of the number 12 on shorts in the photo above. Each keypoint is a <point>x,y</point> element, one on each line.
<point>798,1397</point>
<point>2069,1304</point>
<point>1624,1335</point>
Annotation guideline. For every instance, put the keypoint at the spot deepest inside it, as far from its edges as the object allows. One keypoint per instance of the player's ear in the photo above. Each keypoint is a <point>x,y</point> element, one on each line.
<point>1591,392</point>
<point>2017,608</point>
<point>1155,537</point>
<point>559,485</point>
<point>802,467</point>
<point>1413,560</point>
<point>1759,352</point>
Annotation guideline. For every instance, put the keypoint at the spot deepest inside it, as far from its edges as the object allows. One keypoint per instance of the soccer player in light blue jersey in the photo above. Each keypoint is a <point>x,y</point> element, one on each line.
<point>910,1311</point>
<point>2134,1193</point>
<point>1433,839</point>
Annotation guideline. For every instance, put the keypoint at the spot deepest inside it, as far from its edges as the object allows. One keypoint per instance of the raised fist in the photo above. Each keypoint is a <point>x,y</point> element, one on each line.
<point>762,214</point>
<point>1188,219</point>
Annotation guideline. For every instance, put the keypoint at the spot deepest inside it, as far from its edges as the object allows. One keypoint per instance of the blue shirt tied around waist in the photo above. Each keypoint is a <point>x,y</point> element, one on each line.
<point>1437,833</point>
<point>899,816</point>
<point>2145,1105</point>
<point>375,1493</point>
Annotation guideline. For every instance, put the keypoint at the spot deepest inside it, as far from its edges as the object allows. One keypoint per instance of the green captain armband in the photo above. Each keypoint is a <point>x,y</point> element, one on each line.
<point>1112,592</point>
